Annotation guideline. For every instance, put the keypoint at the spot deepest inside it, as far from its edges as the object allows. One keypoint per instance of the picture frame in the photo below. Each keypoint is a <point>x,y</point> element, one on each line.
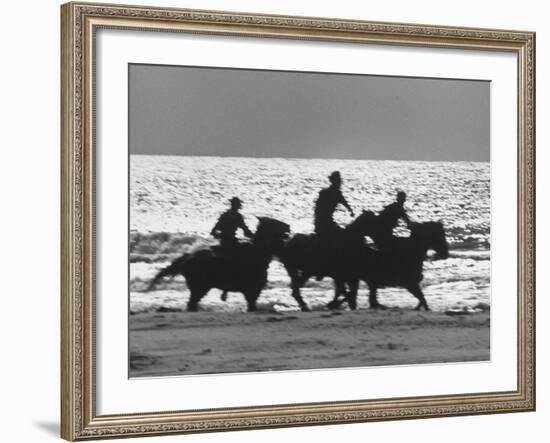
<point>80,176</point>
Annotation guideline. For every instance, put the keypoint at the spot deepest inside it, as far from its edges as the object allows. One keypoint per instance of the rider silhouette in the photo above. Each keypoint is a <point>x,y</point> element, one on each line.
<point>225,230</point>
<point>226,227</point>
<point>389,218</point>
<point>329,198</point>
<point>326,228</point>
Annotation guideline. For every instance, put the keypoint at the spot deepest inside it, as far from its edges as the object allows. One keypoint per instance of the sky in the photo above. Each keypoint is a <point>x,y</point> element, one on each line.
<point>178,110</point>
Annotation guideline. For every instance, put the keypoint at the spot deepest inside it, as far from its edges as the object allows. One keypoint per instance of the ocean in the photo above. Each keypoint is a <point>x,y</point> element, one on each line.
<point>176,200</point>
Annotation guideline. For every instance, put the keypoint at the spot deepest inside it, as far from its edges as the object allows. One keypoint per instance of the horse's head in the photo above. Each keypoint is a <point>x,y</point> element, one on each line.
<point>271,231</point>
<point>432,236</point>
<point>364,223</point>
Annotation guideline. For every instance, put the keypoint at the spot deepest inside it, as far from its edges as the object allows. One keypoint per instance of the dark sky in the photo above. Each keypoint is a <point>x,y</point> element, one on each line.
<point>248,113</point>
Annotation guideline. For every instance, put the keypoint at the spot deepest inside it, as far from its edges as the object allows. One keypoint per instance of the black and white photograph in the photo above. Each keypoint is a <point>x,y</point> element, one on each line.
<point>284,220</point>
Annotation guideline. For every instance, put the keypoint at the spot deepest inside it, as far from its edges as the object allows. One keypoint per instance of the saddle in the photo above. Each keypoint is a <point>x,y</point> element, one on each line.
<point>233,255</point>
<point>226,250</point>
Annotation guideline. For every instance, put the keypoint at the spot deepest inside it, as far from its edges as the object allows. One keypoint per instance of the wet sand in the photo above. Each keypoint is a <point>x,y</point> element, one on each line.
<point>180,343</point>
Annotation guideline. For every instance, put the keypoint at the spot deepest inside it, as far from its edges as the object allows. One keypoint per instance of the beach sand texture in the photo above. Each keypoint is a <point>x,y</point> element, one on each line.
<point>182,343</point>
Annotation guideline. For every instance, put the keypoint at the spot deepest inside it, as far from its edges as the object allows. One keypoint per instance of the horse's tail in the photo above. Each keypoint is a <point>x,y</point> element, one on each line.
<point>176,267</point>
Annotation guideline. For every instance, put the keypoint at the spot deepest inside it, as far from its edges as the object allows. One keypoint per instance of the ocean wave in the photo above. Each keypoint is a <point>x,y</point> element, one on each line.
<point>157,247</point>
<point>481,254</point>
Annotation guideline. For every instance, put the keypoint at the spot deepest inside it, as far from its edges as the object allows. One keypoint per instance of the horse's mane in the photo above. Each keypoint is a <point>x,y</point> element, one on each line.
<point>365,215</point>
<point>427,226</point>
<point>269,225</point>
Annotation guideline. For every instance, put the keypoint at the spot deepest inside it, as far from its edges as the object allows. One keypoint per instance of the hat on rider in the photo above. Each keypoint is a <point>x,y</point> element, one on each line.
<point>335,177</point>
<point>236,201</point>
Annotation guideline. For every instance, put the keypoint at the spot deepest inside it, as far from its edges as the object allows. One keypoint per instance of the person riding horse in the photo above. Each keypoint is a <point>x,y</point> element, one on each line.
<point>327,202</point>
<point>226,228</point>
<point>327,230</point>
<point>388,219</point>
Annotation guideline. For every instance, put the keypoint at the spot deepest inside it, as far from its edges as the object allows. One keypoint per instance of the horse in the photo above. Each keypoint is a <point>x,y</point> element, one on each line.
<point>243,269</point>
<point>308,255</point>
<point>399,264</point>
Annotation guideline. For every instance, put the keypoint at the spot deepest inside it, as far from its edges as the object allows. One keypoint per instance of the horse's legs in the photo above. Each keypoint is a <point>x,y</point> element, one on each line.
<point>349,296</point>
<point>195,295</point>
<point>296,283</point>
<point>339,289</point>
<point>251,298</point>
<point>352,294</point>
<point>373,297</point>
<point>417,292</point>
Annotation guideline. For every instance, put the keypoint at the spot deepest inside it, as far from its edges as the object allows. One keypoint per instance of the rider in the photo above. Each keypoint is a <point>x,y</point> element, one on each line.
<point>326,228</point>
<point>389,218</point>
<point>226,227</point>
<point>329,198</point>
<point>225,230</point>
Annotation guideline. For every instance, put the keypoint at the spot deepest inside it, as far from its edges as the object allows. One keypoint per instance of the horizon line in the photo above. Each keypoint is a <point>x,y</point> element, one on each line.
<point>312,158</point>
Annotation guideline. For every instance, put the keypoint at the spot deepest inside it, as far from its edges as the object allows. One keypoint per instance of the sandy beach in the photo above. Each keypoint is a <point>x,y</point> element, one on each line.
<point>180,343</point>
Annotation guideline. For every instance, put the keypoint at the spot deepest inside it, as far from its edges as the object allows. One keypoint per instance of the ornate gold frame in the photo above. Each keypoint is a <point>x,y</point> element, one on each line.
<point>79,21</point>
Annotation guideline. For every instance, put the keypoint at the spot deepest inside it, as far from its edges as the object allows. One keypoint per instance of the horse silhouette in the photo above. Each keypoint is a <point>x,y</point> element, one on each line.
<point>398,265</point>
<point>243,269</point>
<point>339,257</point>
